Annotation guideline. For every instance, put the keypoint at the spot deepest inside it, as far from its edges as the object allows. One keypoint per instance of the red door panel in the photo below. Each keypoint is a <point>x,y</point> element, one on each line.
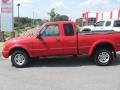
<point>70,45</point>
<point>48,46</point>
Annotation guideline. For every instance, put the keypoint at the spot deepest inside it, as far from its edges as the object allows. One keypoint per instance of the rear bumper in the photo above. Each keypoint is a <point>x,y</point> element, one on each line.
<point>5,54</point>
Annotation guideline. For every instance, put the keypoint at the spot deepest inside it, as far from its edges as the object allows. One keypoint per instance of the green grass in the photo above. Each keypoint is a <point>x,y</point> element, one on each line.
<point>17,33</point>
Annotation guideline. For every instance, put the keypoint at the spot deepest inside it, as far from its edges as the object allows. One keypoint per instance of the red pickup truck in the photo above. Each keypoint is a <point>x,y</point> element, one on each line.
<point>60,39</point>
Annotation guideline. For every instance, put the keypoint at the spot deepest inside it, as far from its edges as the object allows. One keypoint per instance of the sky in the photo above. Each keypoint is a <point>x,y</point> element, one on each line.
<point>72,8</point>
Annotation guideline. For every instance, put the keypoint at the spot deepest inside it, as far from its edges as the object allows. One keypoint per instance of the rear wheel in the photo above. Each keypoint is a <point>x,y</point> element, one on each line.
<point>19,59</point>
<point>103,57</point>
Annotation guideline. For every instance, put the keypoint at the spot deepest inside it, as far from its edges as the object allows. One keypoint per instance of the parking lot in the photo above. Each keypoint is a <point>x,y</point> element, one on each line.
<point>64,73</point>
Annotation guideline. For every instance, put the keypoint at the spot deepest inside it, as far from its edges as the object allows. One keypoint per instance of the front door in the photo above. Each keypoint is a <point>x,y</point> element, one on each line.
<point>50,42</point>
<point>69,39</point>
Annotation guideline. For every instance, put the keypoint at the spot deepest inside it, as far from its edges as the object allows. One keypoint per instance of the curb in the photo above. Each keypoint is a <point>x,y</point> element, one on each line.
<point>1,47</point>
<point>1,55</point>
<point>1,44</point>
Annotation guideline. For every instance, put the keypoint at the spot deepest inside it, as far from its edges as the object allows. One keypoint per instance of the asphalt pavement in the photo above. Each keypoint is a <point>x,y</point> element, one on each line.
<point>60,73</point>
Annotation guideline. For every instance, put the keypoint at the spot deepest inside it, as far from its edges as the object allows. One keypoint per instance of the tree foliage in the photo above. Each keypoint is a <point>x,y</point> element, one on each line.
<point>52,14</point>
<point>79,22</point>
<point>23,22</point>
<point>61,17</point>
<point>57,17</point>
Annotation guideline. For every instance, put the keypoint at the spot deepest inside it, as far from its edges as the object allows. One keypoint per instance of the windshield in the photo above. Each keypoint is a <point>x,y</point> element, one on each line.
<point>42,28</point>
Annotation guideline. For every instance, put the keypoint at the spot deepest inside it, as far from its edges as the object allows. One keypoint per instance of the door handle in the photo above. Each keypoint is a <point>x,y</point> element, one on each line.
<point>73,41</point>
<point>58,40</point>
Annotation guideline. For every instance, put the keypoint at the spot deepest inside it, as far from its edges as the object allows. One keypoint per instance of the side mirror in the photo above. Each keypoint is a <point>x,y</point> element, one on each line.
<point>39,35</point>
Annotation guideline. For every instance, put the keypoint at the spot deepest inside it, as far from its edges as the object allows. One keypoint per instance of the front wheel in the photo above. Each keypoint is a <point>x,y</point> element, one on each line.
<point>103,57</point>
<point>19,59</point>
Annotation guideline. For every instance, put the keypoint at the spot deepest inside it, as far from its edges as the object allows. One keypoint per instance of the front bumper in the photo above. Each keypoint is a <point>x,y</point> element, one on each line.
<point>5,54</point>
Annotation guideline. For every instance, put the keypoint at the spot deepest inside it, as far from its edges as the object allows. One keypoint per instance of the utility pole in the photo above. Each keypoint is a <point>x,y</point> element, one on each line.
<point>33,19</point>
<point>18,5</point>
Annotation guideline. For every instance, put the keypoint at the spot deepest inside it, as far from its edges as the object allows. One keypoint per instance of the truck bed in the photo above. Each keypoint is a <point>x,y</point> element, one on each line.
<point>86,40</point>
<point>97,32</point>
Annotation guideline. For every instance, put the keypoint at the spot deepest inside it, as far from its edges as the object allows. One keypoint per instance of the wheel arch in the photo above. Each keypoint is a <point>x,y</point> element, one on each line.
<point>105,44</point>
<point>19,48</point>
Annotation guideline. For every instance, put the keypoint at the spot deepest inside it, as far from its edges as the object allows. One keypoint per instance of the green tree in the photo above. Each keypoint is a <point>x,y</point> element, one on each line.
<point>64,18</point>
<point>79,22</point>
<point>25,22</point>
<point>52,14</point>
<point>61,17</point>
<point>58,17</point>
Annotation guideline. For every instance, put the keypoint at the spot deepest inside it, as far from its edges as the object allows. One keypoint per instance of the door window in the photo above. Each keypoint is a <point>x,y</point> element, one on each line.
<point>68,30</point>
<point>108,23</point>
<point>99,24</point>
<point>51,30</point>
<point>117,23</point>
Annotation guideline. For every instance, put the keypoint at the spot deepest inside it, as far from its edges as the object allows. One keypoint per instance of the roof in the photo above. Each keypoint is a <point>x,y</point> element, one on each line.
<point>58,22</point>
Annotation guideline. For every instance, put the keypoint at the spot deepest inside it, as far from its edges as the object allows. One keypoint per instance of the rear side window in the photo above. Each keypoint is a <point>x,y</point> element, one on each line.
<point>117,23</point>
<point>108,23</point>
<point>68,29</point>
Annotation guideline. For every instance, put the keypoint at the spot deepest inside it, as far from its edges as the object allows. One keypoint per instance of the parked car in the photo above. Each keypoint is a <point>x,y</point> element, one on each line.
<point>60,39</point>
<point>103,25</point>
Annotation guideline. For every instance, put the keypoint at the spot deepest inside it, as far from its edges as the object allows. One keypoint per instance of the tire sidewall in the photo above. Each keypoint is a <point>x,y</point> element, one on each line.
<point>100,51</point>
<point>13,58</point>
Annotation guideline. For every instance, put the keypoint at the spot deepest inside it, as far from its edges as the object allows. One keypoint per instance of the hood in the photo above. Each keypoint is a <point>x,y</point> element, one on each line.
<point>20,39</point>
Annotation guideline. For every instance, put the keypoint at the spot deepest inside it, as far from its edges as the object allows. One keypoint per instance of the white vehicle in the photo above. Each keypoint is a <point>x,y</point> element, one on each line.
<point>103,25</point>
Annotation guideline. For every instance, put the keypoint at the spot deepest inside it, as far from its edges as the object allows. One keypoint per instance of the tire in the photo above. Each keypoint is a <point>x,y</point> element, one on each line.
<point>19,59</point>
<point>103,57</point>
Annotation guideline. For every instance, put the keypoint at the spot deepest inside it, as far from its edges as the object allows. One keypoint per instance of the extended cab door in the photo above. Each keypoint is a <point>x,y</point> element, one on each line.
<point>50,42</point>
<point>69,39</point>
